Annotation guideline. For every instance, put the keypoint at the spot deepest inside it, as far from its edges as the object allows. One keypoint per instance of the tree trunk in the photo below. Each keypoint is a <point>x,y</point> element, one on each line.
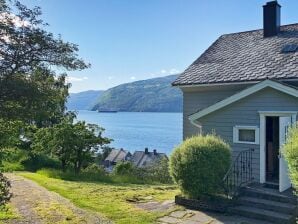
<point>63,165</point>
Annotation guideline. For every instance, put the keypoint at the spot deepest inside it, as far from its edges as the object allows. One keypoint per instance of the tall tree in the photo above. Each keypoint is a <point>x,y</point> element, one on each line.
<point>29,89</point>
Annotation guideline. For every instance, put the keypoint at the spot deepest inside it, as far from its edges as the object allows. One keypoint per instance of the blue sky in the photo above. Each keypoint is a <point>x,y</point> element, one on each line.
<point>129,40</point>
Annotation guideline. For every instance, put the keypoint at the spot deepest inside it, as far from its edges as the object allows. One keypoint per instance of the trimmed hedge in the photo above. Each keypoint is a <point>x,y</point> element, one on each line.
<point>199,164</point>
<point>291,155</point>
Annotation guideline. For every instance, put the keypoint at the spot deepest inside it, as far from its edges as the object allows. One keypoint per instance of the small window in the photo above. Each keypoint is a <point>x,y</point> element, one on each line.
<point>246,134</point>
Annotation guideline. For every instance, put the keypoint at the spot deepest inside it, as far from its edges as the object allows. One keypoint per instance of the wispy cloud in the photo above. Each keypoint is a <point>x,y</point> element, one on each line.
<point>76,79</point>
<point>174,71</point>
<point>163,71</point>
<point>132,78</point>
<point>110,77</point>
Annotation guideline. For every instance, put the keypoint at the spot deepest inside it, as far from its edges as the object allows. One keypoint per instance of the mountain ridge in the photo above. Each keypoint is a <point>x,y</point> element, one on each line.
<point>150,95</point>
<point>83,100</point>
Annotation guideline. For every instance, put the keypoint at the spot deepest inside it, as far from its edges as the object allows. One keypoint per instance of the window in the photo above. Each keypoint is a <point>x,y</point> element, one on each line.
<point>246,134</point>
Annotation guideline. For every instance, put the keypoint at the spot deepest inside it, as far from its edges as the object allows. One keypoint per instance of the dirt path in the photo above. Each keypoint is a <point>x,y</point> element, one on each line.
<point>37,205</point>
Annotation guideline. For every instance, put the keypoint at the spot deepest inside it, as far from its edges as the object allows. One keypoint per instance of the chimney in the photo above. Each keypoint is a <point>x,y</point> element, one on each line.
<point>271,18</point>
<point>146,151</point>
<point>155,152</point>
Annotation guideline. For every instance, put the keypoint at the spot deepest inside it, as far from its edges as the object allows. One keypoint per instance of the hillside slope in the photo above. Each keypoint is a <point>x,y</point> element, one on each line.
<point>152,95</point>
<point>83,100</point>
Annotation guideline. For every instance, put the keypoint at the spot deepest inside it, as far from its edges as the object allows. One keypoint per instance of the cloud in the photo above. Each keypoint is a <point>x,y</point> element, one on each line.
<point>76,79</point>
<point>163,71</point>
<point>132,78</point>
<point>174,71</point>
<point>110,77</point>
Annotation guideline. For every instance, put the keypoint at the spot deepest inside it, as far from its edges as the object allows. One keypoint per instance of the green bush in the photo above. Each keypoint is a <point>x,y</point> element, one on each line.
<point>11,158</point>
<point>11,166</point>
<point>158,172</point>
<point>16,159</point>
<point>199,164</point>
<point>34,162</point>
<point>291,154</point>
<point>5,194</point>
<point>123,168</point>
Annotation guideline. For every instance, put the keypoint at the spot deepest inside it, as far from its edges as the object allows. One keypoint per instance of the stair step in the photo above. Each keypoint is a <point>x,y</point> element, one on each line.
<point>268,195</point>
<point>282,207</point>
<point>272,185</point>
<point>262,214</point>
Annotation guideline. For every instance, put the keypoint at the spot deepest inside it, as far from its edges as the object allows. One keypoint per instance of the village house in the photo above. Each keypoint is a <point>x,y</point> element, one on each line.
<point>115,157</point>
<point>140,159</point>
<point>244,88</point>
<point>146,158</point>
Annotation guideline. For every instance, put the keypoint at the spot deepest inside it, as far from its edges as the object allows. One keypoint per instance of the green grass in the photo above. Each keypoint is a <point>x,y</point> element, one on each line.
<point>94,177</point>
<point>109,199</point>
<point>7,213</point>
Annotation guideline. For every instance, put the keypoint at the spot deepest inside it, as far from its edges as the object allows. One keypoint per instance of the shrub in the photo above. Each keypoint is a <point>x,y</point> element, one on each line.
<point>158,172</point>
<point>34,162</point>
<point>4,190</point>
<point>11,158</point>
<point>199,164</point>
<point>123,168</point>
<point>291,155</point>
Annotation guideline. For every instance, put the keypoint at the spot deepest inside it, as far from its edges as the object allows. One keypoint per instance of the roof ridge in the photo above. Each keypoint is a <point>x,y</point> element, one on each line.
<point>255,30</point>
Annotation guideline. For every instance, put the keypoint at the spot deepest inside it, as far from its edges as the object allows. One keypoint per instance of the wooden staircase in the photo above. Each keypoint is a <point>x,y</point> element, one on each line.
<point>267,204</point>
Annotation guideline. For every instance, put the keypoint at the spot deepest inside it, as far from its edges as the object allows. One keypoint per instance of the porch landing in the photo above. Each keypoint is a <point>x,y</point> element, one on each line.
<point>267,204</point>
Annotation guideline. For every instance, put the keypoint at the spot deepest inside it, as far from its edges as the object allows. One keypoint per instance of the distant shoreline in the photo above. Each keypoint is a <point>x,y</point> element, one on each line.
<point>131,111</point>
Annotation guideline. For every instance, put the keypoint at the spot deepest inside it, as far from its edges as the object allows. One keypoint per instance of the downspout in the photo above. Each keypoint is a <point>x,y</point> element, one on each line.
<point>194,123</point>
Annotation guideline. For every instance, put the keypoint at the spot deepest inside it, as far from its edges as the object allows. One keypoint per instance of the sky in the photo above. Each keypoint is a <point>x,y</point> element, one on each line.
<point>129,40</point>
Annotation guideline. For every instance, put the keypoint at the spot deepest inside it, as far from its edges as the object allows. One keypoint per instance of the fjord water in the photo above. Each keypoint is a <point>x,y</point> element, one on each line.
<point>137,130</point>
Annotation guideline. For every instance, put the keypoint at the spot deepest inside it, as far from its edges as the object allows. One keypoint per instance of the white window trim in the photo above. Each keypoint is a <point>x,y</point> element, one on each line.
<point>242,127</point>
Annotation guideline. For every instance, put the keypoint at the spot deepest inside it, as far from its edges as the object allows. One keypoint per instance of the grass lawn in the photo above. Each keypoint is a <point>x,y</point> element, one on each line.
<point>110,200</point>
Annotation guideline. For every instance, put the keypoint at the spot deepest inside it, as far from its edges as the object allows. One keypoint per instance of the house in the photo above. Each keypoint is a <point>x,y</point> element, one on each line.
<point>146,158</point>
<point>116,156</point>
<point>244,88</point>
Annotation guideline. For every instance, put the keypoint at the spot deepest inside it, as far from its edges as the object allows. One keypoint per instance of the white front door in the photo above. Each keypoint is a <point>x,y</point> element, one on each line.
<point>284,180</point>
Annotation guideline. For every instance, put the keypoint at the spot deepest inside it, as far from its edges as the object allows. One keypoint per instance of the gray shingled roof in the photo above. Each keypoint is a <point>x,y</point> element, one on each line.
<point>141,159</point>
<point>117,155</point>
<point>245,56</point>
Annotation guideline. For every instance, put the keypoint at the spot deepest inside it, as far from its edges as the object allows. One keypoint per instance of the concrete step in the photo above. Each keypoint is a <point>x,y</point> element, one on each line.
<point>271,185</point>
<point>270,205</point>
<point>268,194</point>
<point>262,214</point>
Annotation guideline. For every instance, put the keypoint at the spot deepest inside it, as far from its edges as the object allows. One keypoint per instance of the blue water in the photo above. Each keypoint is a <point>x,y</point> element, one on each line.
<point>137,130</point>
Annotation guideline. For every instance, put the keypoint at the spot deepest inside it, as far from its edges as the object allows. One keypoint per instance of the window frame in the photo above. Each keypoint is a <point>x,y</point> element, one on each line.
<point>236,130</point>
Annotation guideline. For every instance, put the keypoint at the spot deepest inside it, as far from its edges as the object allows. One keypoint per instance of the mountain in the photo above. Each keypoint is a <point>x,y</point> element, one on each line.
<point>152,95</point>
<point>83,100</point>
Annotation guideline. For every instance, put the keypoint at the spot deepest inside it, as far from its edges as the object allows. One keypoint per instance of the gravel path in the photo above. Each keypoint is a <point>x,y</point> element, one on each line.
<point>37,205</point>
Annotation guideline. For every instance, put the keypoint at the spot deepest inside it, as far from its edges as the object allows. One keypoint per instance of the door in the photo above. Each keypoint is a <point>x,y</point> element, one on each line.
<point>284,180</point>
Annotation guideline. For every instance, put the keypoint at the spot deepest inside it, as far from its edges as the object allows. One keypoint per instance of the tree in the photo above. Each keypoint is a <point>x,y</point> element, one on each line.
<point>29,90</point>
<point>39,99</point>
<point>72,143</point>
<point>25,44</point>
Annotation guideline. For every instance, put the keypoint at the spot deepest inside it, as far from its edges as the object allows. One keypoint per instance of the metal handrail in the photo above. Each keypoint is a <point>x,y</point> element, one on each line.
<point>239,174</point>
